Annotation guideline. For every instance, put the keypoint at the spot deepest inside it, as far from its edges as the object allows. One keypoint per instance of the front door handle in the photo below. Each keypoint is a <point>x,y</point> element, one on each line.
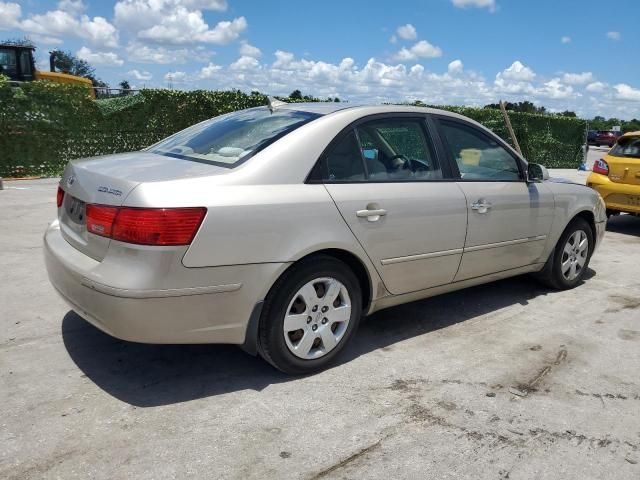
<point>481,206</point>
<point>372,213</point>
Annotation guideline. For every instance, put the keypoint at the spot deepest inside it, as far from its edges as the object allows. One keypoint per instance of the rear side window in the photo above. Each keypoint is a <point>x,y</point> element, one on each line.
<point>627,147</point>
<point>478,156</point>
<point>231,139</point>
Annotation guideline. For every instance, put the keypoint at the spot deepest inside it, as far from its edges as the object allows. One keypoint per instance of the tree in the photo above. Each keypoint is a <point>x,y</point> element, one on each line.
<point>295,95</point>
<point>66,62</point>
<point>568,113</point>
<point>337,100</point>
<point>125,88</point>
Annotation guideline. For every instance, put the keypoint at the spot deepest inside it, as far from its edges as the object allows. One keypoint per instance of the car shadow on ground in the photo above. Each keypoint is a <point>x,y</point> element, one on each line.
<point>153,375</point>
<point>625,224</point>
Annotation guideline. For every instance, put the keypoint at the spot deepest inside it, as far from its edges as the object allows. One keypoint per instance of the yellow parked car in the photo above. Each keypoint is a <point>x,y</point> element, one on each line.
<point>617,176</point>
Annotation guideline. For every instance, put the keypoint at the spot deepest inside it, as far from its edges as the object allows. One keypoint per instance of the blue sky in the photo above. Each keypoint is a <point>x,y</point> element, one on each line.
<point>576,55</point>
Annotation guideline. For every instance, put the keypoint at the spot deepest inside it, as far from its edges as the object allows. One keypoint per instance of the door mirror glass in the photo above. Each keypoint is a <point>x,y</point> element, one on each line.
<point>537,173</point>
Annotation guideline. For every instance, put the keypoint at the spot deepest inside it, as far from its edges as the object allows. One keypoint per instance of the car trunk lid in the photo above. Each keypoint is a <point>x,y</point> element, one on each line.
<point>624,161</point>
<point>109,180</point>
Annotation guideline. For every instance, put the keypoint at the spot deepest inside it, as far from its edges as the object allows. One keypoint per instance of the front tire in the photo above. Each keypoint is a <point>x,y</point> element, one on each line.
<point>310,315</point>
<point>569,261</point>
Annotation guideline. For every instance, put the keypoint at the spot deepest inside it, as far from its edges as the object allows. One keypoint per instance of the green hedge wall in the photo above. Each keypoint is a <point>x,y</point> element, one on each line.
<point>43,125</point>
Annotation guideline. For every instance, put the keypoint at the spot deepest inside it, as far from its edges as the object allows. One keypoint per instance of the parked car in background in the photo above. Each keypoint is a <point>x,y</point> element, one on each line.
<point>604,137</point>
<point>277,228</point>
<point>592,135</point>
<point>616,176</point>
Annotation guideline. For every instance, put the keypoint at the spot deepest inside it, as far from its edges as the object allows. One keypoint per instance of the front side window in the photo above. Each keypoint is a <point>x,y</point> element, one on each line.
<point>8,62</point>
<point>478,156</point>
<point>230,139</point>
<point>386,150</point>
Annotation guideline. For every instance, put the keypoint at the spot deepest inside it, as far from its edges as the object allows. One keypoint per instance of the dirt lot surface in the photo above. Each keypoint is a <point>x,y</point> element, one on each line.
<point>507,380</point>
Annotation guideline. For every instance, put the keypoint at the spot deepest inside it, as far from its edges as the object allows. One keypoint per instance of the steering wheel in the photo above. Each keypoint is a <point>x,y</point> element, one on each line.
<point>406,162</point>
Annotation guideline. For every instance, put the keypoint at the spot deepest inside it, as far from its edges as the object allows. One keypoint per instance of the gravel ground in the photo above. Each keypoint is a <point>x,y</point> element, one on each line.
<point>506,380</point>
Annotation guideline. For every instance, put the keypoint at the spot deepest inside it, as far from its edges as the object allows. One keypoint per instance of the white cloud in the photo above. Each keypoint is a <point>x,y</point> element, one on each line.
<point>247,50</point>
<point>108,59</point>
<point>58,23</point>
<point>554,88</point>
<point>515,80</point>
<point>407,32</point>
<point>627,92</point>
<point>74,7</point>
<point>455,67</point>
<point>190,27</point>
<point>209,71</point>
<point>175,77</point>
<point>577,78</point>
<point>565,40</point>
<point>596,87</point>
<point>10,14</point>
<point>393,39</point>
<point>140,53</point>
<point>615,36</point>
<point>518,72</point>
<point>245,63</point>
<point>219,5</point>
<point>176,21</point>
<point>143,76</point>
<point>490,4</point>
<point>421,49</point>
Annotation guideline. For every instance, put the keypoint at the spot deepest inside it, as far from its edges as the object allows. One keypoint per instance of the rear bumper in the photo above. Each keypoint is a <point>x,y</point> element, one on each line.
<point>617,196</point>
<point>205,305</point>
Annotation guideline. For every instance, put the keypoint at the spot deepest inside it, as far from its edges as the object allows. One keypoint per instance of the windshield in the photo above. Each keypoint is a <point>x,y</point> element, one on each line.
<point>230,139</point>
<point>627,147</point>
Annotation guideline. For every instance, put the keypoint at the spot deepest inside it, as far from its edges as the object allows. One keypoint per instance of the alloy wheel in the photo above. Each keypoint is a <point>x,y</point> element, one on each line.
<point>574,255</point>
<point>317,318</point>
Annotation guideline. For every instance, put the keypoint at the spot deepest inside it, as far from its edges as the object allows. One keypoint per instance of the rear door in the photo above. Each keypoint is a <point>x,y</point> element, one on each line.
<point>398,200</point>
<point>509,219</point>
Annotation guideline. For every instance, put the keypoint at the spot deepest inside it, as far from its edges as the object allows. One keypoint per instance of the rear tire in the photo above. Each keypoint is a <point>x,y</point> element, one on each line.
<point>570,258</point>
<point>310,315</point>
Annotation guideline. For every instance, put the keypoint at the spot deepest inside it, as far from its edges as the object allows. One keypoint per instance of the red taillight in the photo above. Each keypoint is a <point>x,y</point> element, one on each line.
<point>100,219</point>
<point>60,197</point>
<point>601,167</point>
<point>145,226</point>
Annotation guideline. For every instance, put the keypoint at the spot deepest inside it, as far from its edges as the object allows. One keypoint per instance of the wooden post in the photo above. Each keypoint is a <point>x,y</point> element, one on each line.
<point>507,122</point>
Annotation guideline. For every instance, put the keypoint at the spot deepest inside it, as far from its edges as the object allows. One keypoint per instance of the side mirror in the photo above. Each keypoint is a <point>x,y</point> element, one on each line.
<point>537,173</point>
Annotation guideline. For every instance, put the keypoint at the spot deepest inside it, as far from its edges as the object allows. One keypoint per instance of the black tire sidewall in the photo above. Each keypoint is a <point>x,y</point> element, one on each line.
<point>273,345</point>
<point>576,224</point>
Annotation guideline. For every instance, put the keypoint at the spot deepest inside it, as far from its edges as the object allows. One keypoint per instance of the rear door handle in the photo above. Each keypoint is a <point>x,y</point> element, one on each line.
<point>373,215</point>
<point>481,206</point>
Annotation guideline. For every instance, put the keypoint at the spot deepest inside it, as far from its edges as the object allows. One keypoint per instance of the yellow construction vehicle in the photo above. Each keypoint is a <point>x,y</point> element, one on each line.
<point>16,62</point>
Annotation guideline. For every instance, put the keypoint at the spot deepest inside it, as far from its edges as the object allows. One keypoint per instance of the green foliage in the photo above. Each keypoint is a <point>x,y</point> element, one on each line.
<point>46,124</point>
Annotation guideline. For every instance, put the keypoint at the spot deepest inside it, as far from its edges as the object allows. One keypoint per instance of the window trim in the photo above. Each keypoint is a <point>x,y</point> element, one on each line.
<point>520,162</point>
<point>430,135</point>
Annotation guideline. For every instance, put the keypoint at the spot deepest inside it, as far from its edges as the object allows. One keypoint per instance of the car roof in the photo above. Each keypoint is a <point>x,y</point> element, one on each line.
<point>326,108</point>
<point>632,134</point>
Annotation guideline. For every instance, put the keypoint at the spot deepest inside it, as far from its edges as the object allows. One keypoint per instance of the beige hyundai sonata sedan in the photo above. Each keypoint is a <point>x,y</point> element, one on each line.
<point>277,228</point>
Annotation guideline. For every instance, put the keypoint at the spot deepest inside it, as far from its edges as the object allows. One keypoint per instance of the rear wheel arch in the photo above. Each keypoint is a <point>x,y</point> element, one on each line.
<point>350,259</point>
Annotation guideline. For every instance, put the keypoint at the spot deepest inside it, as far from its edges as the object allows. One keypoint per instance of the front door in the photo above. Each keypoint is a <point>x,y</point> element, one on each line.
<point>394,195</point>
<point>509,219</point>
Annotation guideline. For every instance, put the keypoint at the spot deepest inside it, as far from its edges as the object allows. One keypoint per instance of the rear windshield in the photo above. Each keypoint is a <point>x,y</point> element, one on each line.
<point>231,139</point>
<point>627,147</point>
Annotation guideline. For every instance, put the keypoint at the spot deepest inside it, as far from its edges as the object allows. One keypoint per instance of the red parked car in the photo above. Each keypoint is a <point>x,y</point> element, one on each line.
<point>604,137</point>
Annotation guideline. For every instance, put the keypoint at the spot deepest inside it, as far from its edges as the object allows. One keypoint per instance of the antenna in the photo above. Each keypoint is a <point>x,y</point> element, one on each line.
<point>275,103</point>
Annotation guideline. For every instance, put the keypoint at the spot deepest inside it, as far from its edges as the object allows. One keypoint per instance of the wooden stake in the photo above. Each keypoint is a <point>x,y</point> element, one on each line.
<point>507,122</point>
